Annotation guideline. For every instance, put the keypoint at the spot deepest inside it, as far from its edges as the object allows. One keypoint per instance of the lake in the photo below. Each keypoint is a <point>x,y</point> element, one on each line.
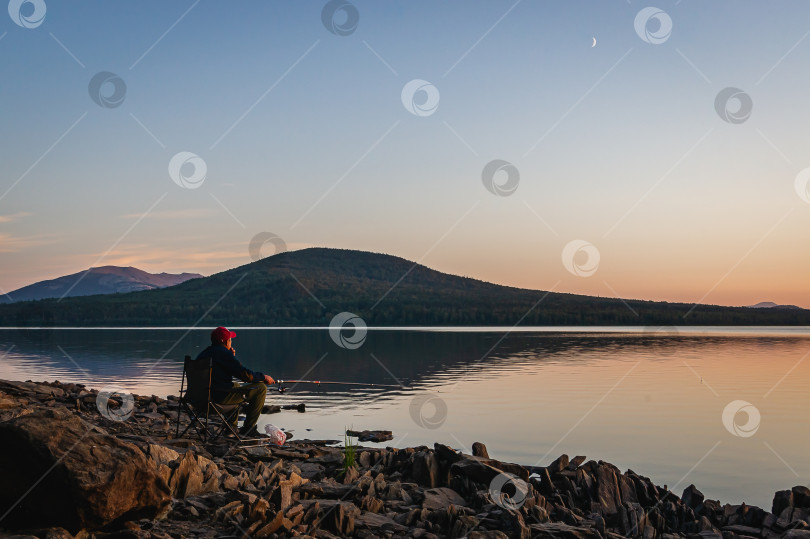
<point>723,408</point>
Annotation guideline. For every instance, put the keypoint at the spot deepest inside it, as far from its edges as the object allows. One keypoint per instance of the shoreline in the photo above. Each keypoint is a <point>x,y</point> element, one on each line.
<point>125,476</point>
<point>656,330</point>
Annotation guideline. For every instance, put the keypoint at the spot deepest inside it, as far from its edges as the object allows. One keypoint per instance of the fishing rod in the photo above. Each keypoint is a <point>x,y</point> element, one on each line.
<point>282,389</point>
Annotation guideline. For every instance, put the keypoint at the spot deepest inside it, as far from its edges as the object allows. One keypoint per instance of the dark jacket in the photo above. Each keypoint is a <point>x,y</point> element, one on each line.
<point>225,367</point>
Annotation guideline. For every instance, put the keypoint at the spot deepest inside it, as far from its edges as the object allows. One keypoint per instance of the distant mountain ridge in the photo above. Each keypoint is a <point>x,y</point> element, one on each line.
<point>312,286</point>
<point>771,305</point>
<point>100,280</point>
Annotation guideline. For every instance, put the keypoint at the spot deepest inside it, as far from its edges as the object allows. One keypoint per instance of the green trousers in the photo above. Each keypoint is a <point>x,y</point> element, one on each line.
<point>255,394</point>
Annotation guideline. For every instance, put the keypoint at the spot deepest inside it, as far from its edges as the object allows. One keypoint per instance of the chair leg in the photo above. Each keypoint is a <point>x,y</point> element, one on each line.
<point>177,430</point>
<point>191,424</point>
<point>194,421</point>
<point>180,400</point>
<point>206,425</point>
<point>226,423</point>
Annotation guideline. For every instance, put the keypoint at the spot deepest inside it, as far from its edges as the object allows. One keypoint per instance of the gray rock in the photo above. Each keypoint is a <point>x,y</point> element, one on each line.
<point>338,516</point>
<point>259,453</point>
<point>558,530</point>
<point>425,469</point>
<point>692,496</point>
<point>560,464</point>
<point>442,498</point>
<point>475,469</point>
<point>543,481</point>
<point>489,534</point>
<point>483,471</point>
<point>801,496</point>
<point>576,462</point>
<point>781,500</point>
<point>159,454</point>
<point>743,530</point>
<point>378,522</point>
<point>364,460</point>
<point>311,470</point>
<point>627,489</point>
<point>793,514</point>
<point>40,391</point>
<point>195,475</point>
<point>447,454</point>
<point>371,435</point>
<point>514,525</point>
<point>608,493</point>
<point>187,479</point>
<point>350,475</point>
<point>480,450</point>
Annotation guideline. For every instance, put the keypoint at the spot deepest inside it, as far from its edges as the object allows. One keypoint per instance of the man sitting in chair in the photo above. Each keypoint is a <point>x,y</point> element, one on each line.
<point>225,367</point>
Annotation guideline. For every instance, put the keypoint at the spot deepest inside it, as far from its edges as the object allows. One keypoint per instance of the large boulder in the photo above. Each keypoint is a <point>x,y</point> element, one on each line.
<point>608,492</point>
<point>58,470</point>
<point>692,496</point>
<point>426,470</point>
<point>782,499</point>
<point>483,471</point>
<point>801,496</point>
<point>475,469</point>
<point>792,505</point>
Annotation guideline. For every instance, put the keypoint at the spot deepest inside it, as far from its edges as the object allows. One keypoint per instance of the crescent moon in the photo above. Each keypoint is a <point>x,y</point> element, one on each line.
<point>594,43</point>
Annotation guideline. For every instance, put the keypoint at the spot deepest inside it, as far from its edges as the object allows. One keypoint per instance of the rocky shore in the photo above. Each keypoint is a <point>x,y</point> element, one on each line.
<point>69,470</point>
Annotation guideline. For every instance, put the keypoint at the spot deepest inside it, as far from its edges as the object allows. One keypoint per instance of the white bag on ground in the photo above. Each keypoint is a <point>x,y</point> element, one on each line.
<point>276,435</point>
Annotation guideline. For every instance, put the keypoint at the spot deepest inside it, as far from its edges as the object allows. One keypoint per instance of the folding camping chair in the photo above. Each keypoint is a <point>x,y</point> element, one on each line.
<point>209,419</point>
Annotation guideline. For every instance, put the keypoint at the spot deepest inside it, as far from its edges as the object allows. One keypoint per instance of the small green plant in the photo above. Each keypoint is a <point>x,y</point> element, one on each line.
<point>349,450</point>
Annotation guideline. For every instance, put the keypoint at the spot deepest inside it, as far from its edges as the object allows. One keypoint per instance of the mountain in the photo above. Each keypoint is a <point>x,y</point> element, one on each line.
<point>771,305</point>
<point>102,280</point>
<point>311,286</point>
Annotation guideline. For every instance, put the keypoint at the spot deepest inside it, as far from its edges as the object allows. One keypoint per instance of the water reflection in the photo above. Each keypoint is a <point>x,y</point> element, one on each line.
<point>150,361</point>
<point>651,401</point>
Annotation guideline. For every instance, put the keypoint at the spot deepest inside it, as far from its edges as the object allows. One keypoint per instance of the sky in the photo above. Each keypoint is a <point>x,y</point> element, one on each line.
<point>589,147</point>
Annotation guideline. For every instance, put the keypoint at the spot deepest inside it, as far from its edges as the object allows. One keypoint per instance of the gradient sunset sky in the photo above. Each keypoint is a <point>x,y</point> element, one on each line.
<point>299,116</point>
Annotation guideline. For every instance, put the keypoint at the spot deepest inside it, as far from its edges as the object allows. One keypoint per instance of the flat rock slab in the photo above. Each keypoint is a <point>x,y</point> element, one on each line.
<point>260,452</point>
<point>285,454</point>
<point>376,522</point>
<point>442,498</point>
<point>743,530</point>
<point>40,390</point>
<point>329,491</point>
<point>311,470</point>
<point>371,435</point>
<point>483,471</point>
<point>300,407</point>
<point>558,530</point>
<point>162,455</point>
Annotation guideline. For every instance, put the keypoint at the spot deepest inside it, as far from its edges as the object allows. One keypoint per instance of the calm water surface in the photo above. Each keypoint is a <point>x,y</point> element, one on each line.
<point>652,402</point>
